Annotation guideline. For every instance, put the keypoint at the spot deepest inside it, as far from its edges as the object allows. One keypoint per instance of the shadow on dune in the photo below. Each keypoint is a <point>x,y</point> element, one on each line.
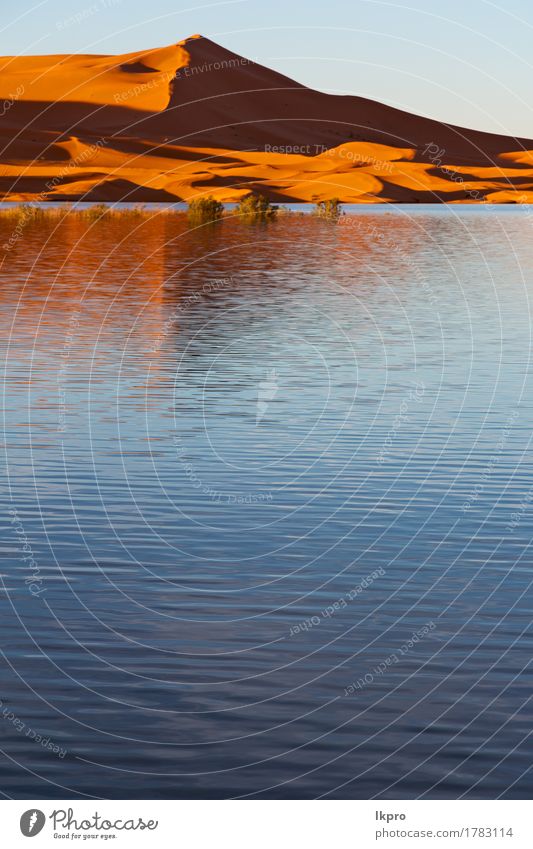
<point>216,105</point>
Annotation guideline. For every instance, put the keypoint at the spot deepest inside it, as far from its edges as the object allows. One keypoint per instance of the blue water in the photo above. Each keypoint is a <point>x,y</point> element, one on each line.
<point>268,506</point>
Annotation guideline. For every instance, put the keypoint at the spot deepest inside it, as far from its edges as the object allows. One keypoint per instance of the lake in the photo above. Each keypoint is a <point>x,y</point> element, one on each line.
<point>267,506</point>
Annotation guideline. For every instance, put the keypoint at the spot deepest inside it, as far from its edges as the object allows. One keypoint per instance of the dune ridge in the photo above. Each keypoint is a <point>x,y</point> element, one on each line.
<point>193,118</point>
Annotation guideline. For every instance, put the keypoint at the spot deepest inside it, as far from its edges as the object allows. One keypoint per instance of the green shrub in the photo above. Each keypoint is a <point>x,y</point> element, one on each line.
<point>256,207</point>
<point>330,209</point>
<point>205,209</point>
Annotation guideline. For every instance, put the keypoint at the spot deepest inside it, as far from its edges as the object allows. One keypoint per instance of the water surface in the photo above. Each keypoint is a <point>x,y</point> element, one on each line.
<point>268,507</point>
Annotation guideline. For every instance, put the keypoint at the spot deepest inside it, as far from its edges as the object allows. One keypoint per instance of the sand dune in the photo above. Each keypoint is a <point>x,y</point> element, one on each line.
<point>194,118</point>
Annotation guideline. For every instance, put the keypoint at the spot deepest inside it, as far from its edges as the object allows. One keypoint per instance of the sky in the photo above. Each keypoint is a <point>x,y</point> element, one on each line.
<point>467,62</point>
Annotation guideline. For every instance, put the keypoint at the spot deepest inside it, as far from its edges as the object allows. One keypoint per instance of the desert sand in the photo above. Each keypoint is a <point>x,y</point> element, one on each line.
<point>195,119</point>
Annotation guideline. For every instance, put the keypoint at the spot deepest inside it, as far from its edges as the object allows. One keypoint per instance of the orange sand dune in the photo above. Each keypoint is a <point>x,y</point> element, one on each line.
<point>193,118</point>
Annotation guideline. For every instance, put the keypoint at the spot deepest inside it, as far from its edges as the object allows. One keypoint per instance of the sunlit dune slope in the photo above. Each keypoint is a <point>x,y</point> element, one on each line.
<point>194,118</point>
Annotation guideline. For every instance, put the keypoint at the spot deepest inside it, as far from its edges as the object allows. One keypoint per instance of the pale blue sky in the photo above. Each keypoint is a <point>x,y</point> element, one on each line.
<point>469,62</point>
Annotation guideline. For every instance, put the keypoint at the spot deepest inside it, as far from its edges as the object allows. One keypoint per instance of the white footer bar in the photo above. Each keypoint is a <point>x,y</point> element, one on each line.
<point>268,824</point>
